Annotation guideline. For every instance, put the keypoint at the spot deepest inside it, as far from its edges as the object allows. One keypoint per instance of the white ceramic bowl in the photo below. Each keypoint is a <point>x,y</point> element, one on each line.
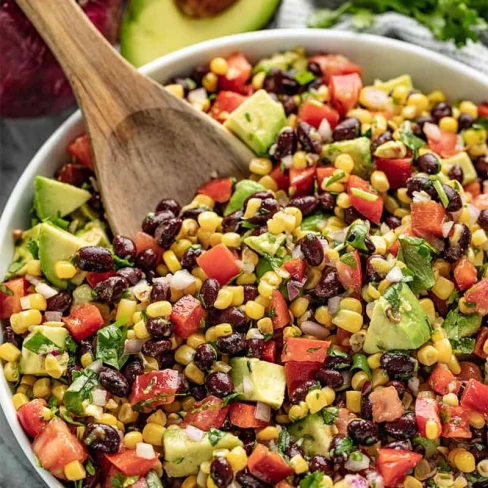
<point>380,58</point>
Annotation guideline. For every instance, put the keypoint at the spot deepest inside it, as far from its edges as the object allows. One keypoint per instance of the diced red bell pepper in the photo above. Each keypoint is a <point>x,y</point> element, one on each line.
<point>481,338</point>
<point>475,396</point>
<point>342,337</point>
<point>478,295</point>
<point>224,104</point>
<point>268,466</point>
<point>465,274</point>
<point>301,181</point>
<point>243,415</point>
<point>269,352</point>
<point>73,174</point>
<point>324,172</point>
<point>455,420</point>
<point>469,371</point>
<point>334,64</point>
<point>442,381</point>
<point>393,464</point>
<point>483,109</point>
<point>31,418</point>
<point>284,484</point>
<point>219,263</point>
<point>297,372</point>
<point>10,300</point>
<point>187,315</point>
<point>150,390</point>
<point>427,219</point>
<point>144,241</point>
<point>474,188</point>
<point>219,189</point>
<point>351,278</point>
<point>398,171</point>
<point>344,91</point>
<point>207,413</point>
<point>278,310</point>
<point>281,179</point>
<point>296,267</point>
<point>56,446</point>
<point>313,112</point>
<point>94,278</point>
<point>309,350</point>
<point>129,463</point>
<point>441,141</point>
<point>427,409</point>
<point>481,201</point>
<point>372,210</point>
<point>237,75</point>
<point>83,321</point>
<point>80,149</point>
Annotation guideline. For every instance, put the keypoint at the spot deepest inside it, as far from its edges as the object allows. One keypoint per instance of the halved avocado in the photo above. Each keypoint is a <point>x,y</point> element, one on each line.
<point>152,28</point>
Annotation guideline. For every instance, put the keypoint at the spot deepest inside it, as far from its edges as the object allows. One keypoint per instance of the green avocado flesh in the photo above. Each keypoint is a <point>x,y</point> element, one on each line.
<point>316,434</point>
<point>152,28</point>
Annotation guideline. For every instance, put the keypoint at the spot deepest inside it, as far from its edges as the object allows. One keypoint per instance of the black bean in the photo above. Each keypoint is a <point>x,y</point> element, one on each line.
<point>483,219</point>
<point>198,392</point>
<point>248,438</point>
<point>300,393</point>
<point>102,437</point>
<point>457,243</point>
<point>393,222</point>
<point>329,377</point>
<point>85,347</point>
<point>455,201</point>
<point>94,258</point>
<point>456,173</point>
<point>204,356</point>
<point>286,143</point>
<point>232,222</point>
<point>397,363</point>
<point>159,327</point>
<point>321,463</point>
<point>219,384</point>
<point>337,362</point>
<point>209,292</point>
<point>192,213</point>
<point>111,289</point>
<point>160,291</point>
<point>189,259</point>
<point>403,428</point>
<point>262,195</point>
<point>327,202</point>
<point>124,247</point>
<point>170,205</point>
<point>314,68</point>
<point>329,285</point>
<point>255,348</point>
<point>250,292</point>
<point>166,360</point>
<point>199,72</point>
<point>147,259</point>
<point>347,129</point>
<point>167,231</point>
<point>482,167</point>
<point>132,275</point>
<point>113,381</point>
<point>9,334</point>
<point>221,472</point>
<point>350,215</point>
<point>183,384</point>
<point>418,183</point>
<point>247,480</point>
<point>440,110</point>
<point>312,249</point>
<point>372,276</point>
<point>381,139</point>
<point>363,432</point>
<point>418,127</point>
<point>95,201</point>
<point>155,348</point>
<point>281,82</point>
<point>465,121</point>
<point>232,315</point>
<point>309,138</point>
<point>153,220</point>
<point>307,204</point>
<point>269,206</point>
<point>366,408</point>
<point>289,105</point>
<point>399,387</point>
<point>231,344</point>
<point>60,302</point>
<point>428,163</point>
<point>92,480</point>
<point>336,451</point>
<point>132,370</point>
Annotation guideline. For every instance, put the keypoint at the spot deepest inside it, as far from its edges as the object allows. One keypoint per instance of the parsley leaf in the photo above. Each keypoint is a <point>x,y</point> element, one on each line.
<point>214,436</point>
<point>356,236</point>
<point>229,397</point>
<point>283,441</point>
<point>33,248</point>
<point>330,414</point>
<point>110,345</point>
<point>458,325</point>
<point>312,480</point>
<point>41,344</point>
<point>6,290</point>
<point>410,139</point>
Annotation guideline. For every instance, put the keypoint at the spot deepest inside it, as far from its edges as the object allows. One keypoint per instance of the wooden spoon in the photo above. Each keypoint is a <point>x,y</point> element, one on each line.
<point>147,144</point>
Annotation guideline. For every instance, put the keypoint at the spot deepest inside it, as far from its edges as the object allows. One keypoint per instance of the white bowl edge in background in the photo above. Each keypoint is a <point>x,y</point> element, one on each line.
<point>380,58</point>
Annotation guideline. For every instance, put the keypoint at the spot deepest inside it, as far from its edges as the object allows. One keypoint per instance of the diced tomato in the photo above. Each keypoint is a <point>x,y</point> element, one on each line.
<point>344,92</point>
<point>478,295</point>
<point>372,210</point>
<point>342,337</point>
<point>297,372</point>
<point>144,241</point>
<point>313,112</point>
<point>207,413</point>
<point>442,381</point>
<point>269,352</point>
<point>268,466</point>
<point>455,421</point>
<point>129,463</point>
<point>10,301</point>
<point>301,181</point>
<point>296,267</point>
<point>469,371</point>
<point>441,141</point>
<point>278,310</point>
<point>30,417</point>
<point>427,219</point>
<point>284,484</point>
<point>324,172</point>
<point>243,415</point>
<point>224,104</point>
<point>481,338</point>
<point>394,248</point>
<point>334,64</point>
<point>73,174</point>
<point>475,396</point>
<point>483,109</point>
<point>56,446</point>
<point>393,464</point>
<point>237,75</point>
<point>219,189</point>
<point>465,274</point>
<point>309,350</point>
<point>350,277</point>
<point>93,277</point>
<point>281,179</point>
<point>153,389</point>
<point>83,321</point>
<point>427,409</point>
<point>474,188</point>
<point>481,202</point>
<point>219,263</point>
<point>187,315</point>
<point>398,171</point>
<point>80,149</point>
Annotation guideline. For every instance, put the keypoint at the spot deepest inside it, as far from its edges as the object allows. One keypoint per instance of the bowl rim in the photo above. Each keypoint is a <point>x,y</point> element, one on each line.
<point>301,35</point>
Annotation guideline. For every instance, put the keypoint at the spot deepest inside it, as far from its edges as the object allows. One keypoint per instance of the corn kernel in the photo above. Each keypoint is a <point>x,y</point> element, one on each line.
<point>260,166</point>
<point>428,306</point>
<point>465,461</point>
<point>34,267</point>
<point>42,388</point>
<point>316,400</point>
<point>482,467</point>
<point>162,308</point>
<point>141,331</point>
<point>322,315</point>
<point>411,482</point>
<point>450,399</point>
<point>265,325</point>
<point>419,101</point>
<point>358,380</point>
<point>352,304</point>
<point>476,420</point>
<point>237,458</point>
<point>158,417</point>
<point>9,352</point>
<point>348,320</point>
<point>219,66</point>
<point>444,349</point>
<point>64,270</point>
<point>210,81</point>
<point>258,80</point>
<point>108,419</point>
<point>223,330</point>
<point>374,361</point>
<point>153,434</point>
<point>267,434</point>
<point>449,124</point>
<point>231,239</point>
<point>268,183</point>
<point>298,464</point>
<point>126,310</point>
<point>474,136</point>
<point>193,373</point>
<point>479,238</point>
<point>224,299</point>
<point>19,400</point>
<point>21,321</point>
<point>252,207</point>
<point>379,181</point>
<point>170,259</point>
<point>131,439</point>
<point>400,94</point>
<point>443,288</point>
<point>74,471</point>
<point>453,365</point>
<point>428,355</point>
<point>298,412</point>
<point>345,163</point>
<point>184,354</point>
<point>53,368</point>
<point>299,306</point>
<point>353,401</point>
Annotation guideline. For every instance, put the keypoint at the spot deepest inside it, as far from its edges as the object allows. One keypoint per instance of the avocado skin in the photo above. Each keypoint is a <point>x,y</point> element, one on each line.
<point>316,434</point>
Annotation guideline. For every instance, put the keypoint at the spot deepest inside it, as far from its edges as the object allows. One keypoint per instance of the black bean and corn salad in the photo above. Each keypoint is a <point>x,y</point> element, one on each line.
<point>322,323</point>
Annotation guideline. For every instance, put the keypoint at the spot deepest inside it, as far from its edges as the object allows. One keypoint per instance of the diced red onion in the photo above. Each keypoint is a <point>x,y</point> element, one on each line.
<point>262,412</point>
<point>96,366</point>
<point>254,334</point>
<point>421,196</point>
<point>314,329</point>
<point>384,229</point>
<point>395,275</point>
<point>297,252</point>
<point>182,279</point>
<point>99,396</point>
<point>287,161</point>
<point>456,215</point>
<point>45,290</point>
<point>339,235</point>
<point>25,302</point>
<point>413,385</point>
<point>446,228</point>
<point>197,96</point>
<point>325,131</point>
<point>377,100</point>
<point>333,304</point>
<point>325,244</point>
<point>474,213</point>
<point>355,481</point>
<point>247,386</point>
<point>145,451</point>
<point>353,465</point>
<point>32,279</point>
<point>133,346</point>
<point>375,479</point>
<point>194,433</point>
<point>53,316</point>
<point>293,291</point>
<point>432,131</point>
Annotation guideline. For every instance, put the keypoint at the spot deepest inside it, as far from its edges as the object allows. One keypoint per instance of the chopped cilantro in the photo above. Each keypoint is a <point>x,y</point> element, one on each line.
<point>214,436</point>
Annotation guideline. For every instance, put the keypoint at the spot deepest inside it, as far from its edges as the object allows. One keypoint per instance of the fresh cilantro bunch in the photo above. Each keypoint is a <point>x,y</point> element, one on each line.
<point>456,20</point>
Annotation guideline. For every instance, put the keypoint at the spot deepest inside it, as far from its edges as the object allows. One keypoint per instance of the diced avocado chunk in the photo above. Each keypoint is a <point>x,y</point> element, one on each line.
<point>458,325</point>
<point>315,222</point>
<point>462,159</point>
<point>23,252</point>
<point>289,60</point>
<point>266,243</point>
<point>257,122</point>
<point>153,480</point>
<point>32,363</point>
<point>388,86</point>
<point>316,434</point>
<point>183,455</point>
<point>243,189</point>
<point>94,233</point>
<point>360,151</point>
<point>53,198</point>
<point>56,245</point>
<point>268,381</point>
<point>398,322</point>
